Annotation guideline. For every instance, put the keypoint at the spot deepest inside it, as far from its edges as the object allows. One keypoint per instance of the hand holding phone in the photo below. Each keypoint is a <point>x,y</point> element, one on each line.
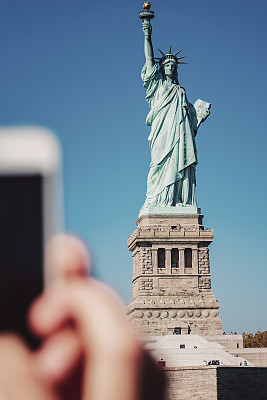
<point>30,213</point>
<point>79,357</point>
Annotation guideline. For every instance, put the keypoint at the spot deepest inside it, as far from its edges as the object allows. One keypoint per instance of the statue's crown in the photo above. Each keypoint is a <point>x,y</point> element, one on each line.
<point>170,56</point>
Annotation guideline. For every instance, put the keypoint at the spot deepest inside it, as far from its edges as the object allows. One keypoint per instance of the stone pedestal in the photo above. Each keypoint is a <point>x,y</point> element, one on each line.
<point>171,286</point>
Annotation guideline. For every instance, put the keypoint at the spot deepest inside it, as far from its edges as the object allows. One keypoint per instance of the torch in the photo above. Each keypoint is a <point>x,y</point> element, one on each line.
<point>146,13</point>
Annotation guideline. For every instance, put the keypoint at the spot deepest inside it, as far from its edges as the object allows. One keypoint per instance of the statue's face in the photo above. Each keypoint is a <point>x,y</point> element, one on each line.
<point>170,68</point>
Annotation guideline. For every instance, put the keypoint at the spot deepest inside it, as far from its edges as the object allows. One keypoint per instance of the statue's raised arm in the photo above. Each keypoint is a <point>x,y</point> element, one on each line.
<point>146,15</point>
<point>149,54</point>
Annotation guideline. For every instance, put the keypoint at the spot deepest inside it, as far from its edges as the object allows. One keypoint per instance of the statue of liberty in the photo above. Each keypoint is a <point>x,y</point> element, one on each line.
<point>174,123</point>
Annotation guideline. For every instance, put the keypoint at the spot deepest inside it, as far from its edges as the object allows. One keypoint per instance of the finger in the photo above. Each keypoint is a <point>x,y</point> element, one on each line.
<point>105,336</point>
<point>17,380</point>
<point>45,318</point>
<point>58,357</point>
<point>67,257</point>
<point>42,319</point>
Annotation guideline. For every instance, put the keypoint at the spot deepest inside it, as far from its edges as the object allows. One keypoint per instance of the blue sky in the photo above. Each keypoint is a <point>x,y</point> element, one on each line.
<point>74,67</point>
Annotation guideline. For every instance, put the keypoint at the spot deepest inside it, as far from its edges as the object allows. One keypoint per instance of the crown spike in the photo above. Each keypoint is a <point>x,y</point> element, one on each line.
<point>161,52</point>
<point>178,52</point>
<point>182,62</point>
<point>179,58</point>
<point>170,51</point>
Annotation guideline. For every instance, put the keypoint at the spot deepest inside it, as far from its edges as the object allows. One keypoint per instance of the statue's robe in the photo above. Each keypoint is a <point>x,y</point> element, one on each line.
<point>171,178</point>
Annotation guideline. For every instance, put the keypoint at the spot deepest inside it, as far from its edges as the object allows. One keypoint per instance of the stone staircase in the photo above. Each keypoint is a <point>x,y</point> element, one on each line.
<point>190,350</point>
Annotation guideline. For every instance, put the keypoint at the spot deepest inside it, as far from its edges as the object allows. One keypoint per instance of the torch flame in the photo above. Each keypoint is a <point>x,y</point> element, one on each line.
<point>147,5</point>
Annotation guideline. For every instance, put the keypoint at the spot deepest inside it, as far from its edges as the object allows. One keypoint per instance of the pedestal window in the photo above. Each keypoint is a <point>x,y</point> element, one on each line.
<point>188,258</point>
<point>161,258</point>
<point>175,258</point>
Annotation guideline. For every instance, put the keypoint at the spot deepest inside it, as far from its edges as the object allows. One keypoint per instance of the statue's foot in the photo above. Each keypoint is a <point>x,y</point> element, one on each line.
<point>179,205</point>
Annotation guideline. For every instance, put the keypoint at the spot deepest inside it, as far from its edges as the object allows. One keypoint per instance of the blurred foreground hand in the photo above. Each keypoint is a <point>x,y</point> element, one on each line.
<point>88,351</point>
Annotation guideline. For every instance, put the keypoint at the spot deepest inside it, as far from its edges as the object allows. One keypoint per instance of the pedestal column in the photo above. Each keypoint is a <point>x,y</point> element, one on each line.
<point>155,261</point>
<point>168,262</point>
<point>181,261</point>
<point>195,261</point>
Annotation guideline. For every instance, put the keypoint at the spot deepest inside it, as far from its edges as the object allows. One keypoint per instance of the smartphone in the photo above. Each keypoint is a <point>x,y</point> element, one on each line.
<point>30,213</point>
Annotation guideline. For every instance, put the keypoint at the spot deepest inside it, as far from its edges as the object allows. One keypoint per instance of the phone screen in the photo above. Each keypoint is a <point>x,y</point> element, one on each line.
<point>21,250</point>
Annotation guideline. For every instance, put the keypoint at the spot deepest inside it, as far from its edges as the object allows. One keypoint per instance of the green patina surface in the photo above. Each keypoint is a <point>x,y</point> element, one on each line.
<point>174,123</point>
